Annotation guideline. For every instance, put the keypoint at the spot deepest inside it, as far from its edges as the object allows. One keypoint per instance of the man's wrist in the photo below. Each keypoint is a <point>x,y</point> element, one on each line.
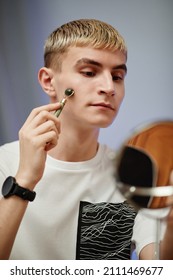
<point>11,188</point>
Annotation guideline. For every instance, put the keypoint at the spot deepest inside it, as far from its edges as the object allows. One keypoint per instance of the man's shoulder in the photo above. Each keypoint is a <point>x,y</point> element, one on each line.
<point>9,159</point>
<point>11,148</point>
<point>109,153</point>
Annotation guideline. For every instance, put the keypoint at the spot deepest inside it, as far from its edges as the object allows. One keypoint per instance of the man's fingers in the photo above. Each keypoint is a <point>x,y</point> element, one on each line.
<point>45,108</point>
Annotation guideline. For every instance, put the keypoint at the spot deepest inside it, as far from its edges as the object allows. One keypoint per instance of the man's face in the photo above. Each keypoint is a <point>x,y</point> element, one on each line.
<point>97,77</point>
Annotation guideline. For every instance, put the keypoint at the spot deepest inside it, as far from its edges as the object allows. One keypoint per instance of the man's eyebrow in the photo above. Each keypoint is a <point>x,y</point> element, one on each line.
<point>88,61</point>
<point>121,66</point>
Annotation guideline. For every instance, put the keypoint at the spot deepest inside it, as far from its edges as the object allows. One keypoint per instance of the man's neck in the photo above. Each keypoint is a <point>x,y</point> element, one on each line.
<point>76,146</point>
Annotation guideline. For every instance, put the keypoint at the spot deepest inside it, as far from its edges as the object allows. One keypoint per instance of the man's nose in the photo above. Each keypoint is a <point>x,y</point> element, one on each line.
<point>108,85</point>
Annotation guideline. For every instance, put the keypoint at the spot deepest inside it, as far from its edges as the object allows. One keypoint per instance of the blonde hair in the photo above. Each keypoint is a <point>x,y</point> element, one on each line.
<point>81,33</point>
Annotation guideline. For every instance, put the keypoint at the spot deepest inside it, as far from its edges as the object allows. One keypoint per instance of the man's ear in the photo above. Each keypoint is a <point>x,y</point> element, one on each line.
<point>45,77</point>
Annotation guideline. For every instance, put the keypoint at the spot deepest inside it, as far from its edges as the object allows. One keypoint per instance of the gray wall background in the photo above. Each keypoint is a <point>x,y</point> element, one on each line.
<point>147,27</point>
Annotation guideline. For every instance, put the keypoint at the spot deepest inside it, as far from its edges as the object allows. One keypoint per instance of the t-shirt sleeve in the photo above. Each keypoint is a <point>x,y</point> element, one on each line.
<point>146,226</point>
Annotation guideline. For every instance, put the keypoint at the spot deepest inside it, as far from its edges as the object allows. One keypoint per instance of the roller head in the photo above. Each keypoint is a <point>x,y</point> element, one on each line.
<point>69,92</point>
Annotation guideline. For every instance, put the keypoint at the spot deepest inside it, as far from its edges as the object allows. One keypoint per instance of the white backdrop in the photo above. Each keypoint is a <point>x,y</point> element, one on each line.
<point>147,27</point>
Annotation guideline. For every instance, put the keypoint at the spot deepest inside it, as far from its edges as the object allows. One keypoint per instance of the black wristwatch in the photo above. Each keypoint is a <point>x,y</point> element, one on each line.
<point>11,187</point>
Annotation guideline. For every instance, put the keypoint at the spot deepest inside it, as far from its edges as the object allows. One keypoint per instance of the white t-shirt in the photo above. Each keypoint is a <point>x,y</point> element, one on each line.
<point>78,212</point>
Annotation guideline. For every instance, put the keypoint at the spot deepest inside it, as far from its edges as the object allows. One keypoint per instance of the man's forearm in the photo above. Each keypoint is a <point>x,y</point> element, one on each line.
<point>11,213</point>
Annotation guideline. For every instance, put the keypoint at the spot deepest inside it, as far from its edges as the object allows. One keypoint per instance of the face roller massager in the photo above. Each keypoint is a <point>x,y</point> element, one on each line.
<point>68,92</point>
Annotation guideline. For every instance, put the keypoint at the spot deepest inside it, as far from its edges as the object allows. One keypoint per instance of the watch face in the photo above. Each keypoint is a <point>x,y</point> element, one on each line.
<point>8,186</point>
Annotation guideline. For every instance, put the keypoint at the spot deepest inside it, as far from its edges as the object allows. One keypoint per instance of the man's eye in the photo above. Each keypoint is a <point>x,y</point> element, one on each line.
<point>117,77</point>
<point>88,73</point>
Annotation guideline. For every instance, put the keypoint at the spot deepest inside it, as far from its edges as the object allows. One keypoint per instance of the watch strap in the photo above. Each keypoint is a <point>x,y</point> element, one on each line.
<point>24,193</point>
<point>11,187</point>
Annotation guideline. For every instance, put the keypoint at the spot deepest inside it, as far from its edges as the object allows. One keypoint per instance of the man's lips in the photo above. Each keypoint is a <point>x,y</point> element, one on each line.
<point>104,105</point>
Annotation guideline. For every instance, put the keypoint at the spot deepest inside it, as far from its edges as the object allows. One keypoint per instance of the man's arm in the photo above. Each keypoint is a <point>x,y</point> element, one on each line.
<point>38,135</point>
<point>166,245</point>
<point>11,214</point>
<point>166,250</point>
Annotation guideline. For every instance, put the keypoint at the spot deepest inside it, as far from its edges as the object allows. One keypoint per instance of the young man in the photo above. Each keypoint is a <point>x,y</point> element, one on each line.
<point>78,213</point>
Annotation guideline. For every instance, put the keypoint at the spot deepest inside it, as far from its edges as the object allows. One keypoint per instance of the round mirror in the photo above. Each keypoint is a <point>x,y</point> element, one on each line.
<point>144,169</point>
<point>145,166</point>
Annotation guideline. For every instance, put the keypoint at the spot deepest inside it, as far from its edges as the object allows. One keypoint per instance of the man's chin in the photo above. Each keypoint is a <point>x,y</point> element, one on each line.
<point>107,123</point>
